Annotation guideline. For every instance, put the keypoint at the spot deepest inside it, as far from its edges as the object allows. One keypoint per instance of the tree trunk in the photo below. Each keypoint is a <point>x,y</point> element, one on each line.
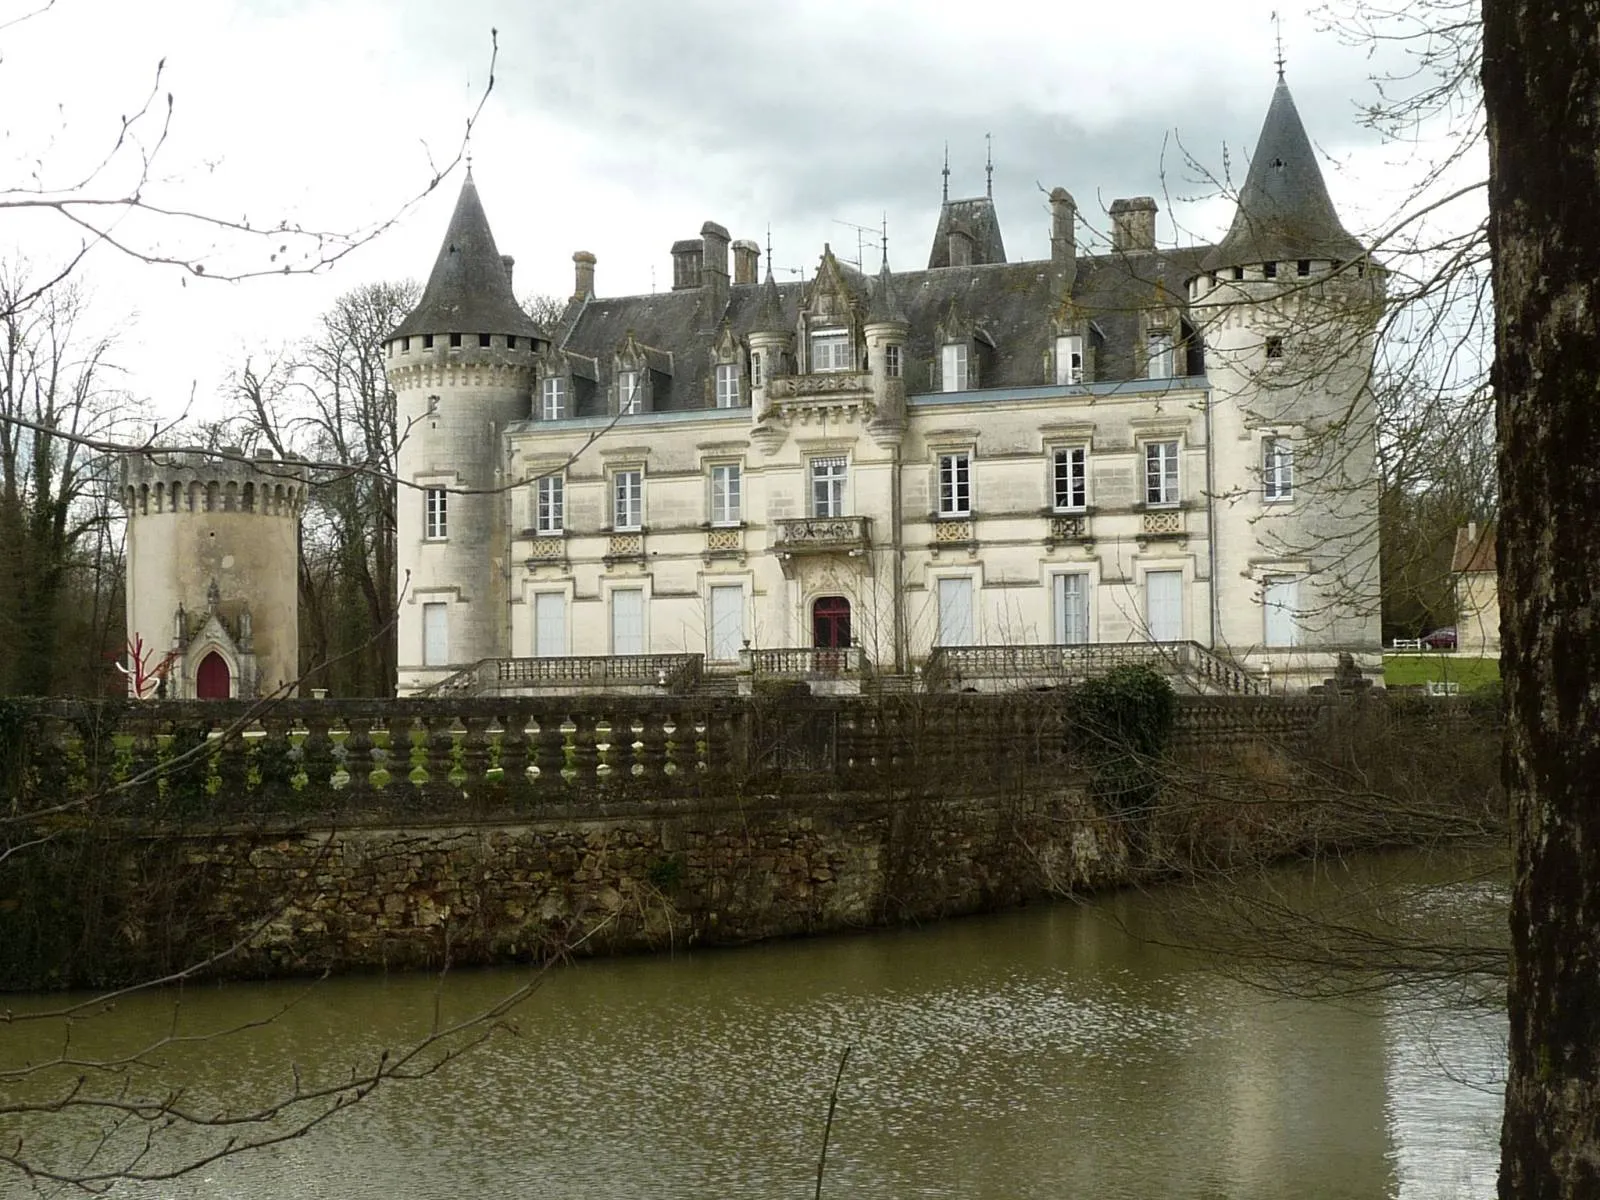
<point>1541,80</point>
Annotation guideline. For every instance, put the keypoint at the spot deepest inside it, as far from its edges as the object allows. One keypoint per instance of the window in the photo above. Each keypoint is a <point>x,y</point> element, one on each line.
<point>953,375</point>
<point>830,350</point>
<point>627,621</point>
<point>550,624</point>
<point>755,368</point>
<point>827,487</point>
<point>1269,270</point>
<point>455,341</point>
<point>427,341</point>
<point>727,486</point>
<point>891,360</point>
<point>1161,473</point>
<point>1277,469</point>
<point>1274,348</point>
<point>627,500</point>
<point>434,525</point>
<point>1071,479</point>
<point>1279,598</point>
<point>483,339</point>
<point>1159,348</point>
<point>405,345</point>
<point>955,612</point>
<point>1163,605</point>
<point>1069,359</point>
<point>955,485</point>
<point>728,385</point>
<point>628,398</point>
<point>435,635</point>
<point>1238,272</point>
<point>511,341</point>
<point>1072,609</point>
<point>1303,267</point>
<point>553,398</point>
<point>726,621</point>
<point>551,513</point>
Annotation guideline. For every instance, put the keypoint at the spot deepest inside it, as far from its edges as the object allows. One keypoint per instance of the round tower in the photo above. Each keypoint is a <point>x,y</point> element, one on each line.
<point>887,330</point>
<point>213,547</point>
<point>1287,306</point>
<point>462,368</point>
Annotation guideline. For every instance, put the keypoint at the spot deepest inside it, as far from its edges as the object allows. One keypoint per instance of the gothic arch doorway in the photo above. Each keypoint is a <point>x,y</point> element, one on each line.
<point>213,681</point>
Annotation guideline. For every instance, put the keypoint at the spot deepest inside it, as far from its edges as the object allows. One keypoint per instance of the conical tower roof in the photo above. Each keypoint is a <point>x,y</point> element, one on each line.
<point>885,306</point>
<point>1284,208</point>
<point>769,314</point>
<point>470,289</point>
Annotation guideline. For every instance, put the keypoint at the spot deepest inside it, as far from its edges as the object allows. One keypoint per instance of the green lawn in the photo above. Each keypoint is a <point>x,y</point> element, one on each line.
<point>1400,670</point>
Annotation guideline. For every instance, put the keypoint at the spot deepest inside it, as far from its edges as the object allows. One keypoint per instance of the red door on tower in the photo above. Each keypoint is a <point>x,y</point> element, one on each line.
<point>211,681</point>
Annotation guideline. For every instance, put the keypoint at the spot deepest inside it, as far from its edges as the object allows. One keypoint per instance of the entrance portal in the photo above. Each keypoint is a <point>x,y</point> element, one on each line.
<point>213,681</point>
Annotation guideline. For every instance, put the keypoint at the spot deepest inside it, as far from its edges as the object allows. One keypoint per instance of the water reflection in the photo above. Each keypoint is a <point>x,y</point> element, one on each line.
<point>1036,1054</point>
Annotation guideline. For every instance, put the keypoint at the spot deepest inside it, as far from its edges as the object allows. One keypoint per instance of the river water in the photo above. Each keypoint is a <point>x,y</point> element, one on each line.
<point>1050,1052</point>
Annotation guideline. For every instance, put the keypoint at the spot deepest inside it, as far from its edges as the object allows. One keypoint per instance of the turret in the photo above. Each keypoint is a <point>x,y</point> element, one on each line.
<point>771,340</point>
<point>462,368</point>
<point>887,329</point>
<point>212,565</point>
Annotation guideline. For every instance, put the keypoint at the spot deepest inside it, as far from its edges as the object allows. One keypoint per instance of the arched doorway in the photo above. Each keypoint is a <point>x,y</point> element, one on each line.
<point>830,630</point>
<point>213,681</point>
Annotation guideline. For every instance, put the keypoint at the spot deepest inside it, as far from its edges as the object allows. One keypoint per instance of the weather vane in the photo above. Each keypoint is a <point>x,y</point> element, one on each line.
<point>988,165</point>
<point>947,171</point>
<point>1277,26</point>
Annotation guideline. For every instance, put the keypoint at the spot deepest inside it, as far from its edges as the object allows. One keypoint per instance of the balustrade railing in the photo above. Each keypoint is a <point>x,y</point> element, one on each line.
<point>807,662</point>
<point>670,672</point>
<point>949,666</point>
<point>822,383</point>
<point>798,535</point>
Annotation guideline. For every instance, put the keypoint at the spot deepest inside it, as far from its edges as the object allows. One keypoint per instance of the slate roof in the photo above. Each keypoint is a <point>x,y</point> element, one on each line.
<point>978,218</point>
<point>1284,209</point>
<point>469,290</point>
<point>1474,550</point>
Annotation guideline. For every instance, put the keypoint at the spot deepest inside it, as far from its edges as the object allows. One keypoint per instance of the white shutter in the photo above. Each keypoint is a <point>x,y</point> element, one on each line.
<point>549,625</point>
<point>727,622</point>
<point>1072,609</point>
<point>1281,598</point>
<point>1163,605</point>
<point>627,621</point>
<point>435,635</point>
<point>955,612</point>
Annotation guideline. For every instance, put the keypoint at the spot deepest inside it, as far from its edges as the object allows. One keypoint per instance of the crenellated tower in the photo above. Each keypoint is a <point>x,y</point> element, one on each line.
<point>212,561</point>
<point>462,368</point>
<point>1287,306</point>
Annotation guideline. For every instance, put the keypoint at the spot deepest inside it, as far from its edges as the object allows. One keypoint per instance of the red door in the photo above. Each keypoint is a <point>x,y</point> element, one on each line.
<point>830,630</point>
<point>211,680</point>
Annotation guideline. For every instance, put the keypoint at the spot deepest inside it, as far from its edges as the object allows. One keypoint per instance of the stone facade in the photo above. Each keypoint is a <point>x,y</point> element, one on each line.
<point>1143,444</point>
<point>213,566</point>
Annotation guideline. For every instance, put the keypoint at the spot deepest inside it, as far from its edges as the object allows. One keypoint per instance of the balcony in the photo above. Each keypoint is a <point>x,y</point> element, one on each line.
<point>800,536</point>
<point>821,384</point>
<point>806,662</point>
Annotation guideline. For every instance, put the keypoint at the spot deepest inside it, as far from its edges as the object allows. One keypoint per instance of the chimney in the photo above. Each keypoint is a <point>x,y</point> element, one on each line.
<point>1064,235</point>
<point>686,264</point>
<point>1133,224</point>
<point>713,250</point>
<point>745,256</point>
<point>582,275</point>
<point>509,264</point>
<point>960,243</point>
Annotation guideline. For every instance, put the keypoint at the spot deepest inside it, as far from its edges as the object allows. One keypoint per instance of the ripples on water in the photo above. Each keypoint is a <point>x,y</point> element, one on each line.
<point>1036,1054</point>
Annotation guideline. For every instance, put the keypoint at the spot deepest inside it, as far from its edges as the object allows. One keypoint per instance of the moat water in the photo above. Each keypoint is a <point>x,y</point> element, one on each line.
<point>1052,1052</point>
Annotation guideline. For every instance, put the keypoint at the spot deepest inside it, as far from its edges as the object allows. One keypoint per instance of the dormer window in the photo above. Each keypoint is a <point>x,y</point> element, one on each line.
<point>1158,347</point>
<point>830,350</point>
<point>728,385</point>
<point>552,398</point>
<point>1069,359</point>
<point>629,399</point>
<point>953,376</point>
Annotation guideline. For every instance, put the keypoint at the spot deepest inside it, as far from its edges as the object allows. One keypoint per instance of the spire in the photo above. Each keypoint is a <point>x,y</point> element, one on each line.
<point>885,305</point>
<point>988,165</point>
<point>469,290</point>
<point>1277,28</point>
<point>946,173</point>
<point>769,313</point>
<point>1284,209</point>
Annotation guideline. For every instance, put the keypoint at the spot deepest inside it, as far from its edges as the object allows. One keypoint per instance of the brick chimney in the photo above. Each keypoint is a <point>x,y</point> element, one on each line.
<point>582,275</point>
<point>1133,224</point>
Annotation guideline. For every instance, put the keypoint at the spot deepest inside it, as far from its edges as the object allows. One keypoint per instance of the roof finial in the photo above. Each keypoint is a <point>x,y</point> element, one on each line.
<point>1277,27</point>
<point>988,166</point>
<point>947,172</point>
<point>883,238</point>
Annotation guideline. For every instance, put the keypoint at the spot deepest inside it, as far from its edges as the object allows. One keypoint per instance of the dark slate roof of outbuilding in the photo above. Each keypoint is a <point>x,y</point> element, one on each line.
<point>469,290</point>
<point>1284,209</point>
<point>977,217</point>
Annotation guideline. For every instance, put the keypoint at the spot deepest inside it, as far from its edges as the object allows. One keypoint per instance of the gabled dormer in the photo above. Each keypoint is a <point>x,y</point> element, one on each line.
<point>1163,336</point>
<point>554,397</point>
<point>729,382</point>
<point>641,377</point>
<point>1069,356</point>
<point>830,319</point>
<point>963,351</point>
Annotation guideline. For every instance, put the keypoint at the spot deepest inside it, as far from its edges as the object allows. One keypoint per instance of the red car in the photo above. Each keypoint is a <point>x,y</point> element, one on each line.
<point>1440,639</point>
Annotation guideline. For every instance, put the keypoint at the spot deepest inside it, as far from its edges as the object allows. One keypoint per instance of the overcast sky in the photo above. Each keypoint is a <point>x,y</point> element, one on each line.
<point>619,126</point>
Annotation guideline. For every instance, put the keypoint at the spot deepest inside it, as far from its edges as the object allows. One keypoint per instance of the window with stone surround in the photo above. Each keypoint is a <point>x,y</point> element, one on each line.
<point>727,494</point>
<point>552,398</point>
<point>1070,478</point>
<point>627,500</point>
<point>550,505</point>
<point>830,350</point>
<point>728,385</point>
<point>435,526</point>
<point>1161,473</point>
<point>828,477</point>
<point>955,484</point>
